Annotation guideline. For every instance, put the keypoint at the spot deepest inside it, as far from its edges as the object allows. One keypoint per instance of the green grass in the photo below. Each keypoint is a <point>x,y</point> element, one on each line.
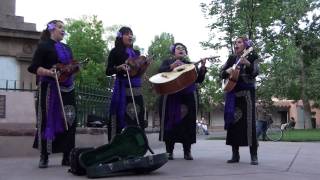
<point>301,135</point>
<point>296,135</point>
<point>215,138</point>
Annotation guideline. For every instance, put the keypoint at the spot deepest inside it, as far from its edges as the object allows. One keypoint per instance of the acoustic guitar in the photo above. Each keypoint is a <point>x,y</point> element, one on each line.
<point>229,83</point>
<point>177,79</point>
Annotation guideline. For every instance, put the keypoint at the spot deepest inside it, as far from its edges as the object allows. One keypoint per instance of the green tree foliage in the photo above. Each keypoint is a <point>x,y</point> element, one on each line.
<point>222,13</point>
<point>158,50</point>
<point>85,37</point>
<point>284,29</point>
<point>111,35</point>
<point>211,94</point>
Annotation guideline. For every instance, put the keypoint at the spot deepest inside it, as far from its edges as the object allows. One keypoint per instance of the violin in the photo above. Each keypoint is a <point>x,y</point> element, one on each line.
<point>67,70</point>
<point>138,65</point>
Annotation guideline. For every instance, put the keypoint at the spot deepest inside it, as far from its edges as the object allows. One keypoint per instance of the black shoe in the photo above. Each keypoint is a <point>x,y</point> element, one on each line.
<point>254,160</point>
<point>235,158</point>
<point>170,156</point>
<point>233,161</point>
<point>44,160</point>
<point>188,156</point>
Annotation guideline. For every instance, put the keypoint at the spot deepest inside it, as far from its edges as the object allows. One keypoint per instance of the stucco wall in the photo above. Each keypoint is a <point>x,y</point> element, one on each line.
<point>20,107</point>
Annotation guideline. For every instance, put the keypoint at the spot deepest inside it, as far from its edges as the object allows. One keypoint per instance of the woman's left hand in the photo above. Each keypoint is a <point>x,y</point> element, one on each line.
<point>203,62</point>
<point>245,61</point>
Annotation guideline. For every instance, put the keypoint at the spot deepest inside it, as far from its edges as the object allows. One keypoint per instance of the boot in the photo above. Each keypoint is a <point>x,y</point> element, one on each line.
<point>65,160</point>
<point>44,160</point>
<point>187,156</point>
<point>254,156</point>
<point>235,155</point>
<point>187,152</point>
<point>169,149</point>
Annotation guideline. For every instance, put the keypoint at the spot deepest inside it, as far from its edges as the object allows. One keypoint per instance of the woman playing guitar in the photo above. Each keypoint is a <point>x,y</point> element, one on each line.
<point>239,112</point>
<point>178,110</point>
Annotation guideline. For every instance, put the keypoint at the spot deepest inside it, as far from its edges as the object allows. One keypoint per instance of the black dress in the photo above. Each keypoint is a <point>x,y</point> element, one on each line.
<point>178,111</point>
<point>46,139</point>
<point>122,111</point>
<point>240,121</point>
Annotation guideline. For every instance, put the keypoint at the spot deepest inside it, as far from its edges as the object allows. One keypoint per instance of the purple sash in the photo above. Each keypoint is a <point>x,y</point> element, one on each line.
<point>173,104</point>
<point>118,100</point>
<point>54,117</point>
<point>65,57</point>
<point>230,103</point>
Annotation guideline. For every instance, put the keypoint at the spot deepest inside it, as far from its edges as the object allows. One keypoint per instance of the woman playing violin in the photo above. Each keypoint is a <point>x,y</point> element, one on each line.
<point>120,62</point>
<point>52,136</point>
<point>239,111</point>
<point>178,111</point>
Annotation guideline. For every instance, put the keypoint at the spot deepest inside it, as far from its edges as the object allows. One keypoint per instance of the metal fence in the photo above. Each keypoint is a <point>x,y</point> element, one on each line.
<point>91,101</point>
<point>14,85</point>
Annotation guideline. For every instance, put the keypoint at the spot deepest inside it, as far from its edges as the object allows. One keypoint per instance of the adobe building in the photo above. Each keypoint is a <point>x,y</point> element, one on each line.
<point>18,41</point>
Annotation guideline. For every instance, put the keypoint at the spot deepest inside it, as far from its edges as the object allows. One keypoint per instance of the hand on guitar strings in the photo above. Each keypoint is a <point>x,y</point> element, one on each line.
<point>244,61</point>
<point>176,64</point>
<point>203,62</point>
<point>229,70</point>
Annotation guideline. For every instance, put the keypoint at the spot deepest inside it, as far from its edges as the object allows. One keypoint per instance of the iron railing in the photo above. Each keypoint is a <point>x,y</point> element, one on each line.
<point>90,100</point>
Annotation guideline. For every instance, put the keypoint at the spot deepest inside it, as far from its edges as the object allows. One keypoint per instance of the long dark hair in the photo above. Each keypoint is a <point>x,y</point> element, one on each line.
<point>45,35</point>
<point>118,42</point>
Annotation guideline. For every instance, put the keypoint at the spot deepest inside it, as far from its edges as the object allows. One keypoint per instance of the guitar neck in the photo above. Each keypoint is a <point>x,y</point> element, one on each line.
<point>245,53</point>
<point>208,58</point>
<point>197,62</point>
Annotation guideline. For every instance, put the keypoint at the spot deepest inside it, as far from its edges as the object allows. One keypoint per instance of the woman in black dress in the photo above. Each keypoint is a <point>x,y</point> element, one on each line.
<point>178,111</point>
<point>239,112</point>
<point>122,109</point>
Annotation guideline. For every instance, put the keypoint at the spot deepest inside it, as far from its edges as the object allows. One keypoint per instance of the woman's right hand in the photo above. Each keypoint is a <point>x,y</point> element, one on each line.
<point>176,64</point>
<point>229,70</point>
<point>122,67</point>
<point>46,72</point>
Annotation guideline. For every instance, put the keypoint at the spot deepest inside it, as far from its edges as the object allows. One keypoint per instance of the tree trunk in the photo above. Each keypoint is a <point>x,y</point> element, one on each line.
<point>305,99</point>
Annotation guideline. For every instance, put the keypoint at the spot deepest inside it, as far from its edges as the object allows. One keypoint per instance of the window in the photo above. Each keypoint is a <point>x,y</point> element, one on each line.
<point>2,106</point>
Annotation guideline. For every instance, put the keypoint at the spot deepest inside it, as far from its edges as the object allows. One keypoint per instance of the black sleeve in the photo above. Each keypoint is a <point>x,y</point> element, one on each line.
<point>253,69</point>
<point>223,74</point>
<point>201,74</point>
<point>165,66</point>
<point>111,67</point>
<point>38,58</point>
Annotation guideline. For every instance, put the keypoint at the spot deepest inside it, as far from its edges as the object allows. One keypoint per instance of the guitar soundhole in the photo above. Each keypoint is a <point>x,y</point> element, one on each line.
<point>163,75</point>
<point>180,69</point>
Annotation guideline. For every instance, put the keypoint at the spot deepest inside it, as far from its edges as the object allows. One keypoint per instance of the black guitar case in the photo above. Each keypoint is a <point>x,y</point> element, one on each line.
<point>138,165</point>
<point>124,154</point>
<point>75,167</point>
<point>131,142</point>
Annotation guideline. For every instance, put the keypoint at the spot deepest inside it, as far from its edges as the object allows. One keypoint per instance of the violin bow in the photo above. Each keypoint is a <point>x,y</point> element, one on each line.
<point>60,98</point>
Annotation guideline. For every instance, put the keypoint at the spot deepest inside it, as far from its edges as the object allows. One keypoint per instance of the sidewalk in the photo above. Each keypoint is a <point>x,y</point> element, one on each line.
<point>277,160</point>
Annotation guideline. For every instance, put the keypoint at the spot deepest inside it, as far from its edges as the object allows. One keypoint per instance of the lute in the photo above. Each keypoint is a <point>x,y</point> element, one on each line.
<point>177,79</point>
